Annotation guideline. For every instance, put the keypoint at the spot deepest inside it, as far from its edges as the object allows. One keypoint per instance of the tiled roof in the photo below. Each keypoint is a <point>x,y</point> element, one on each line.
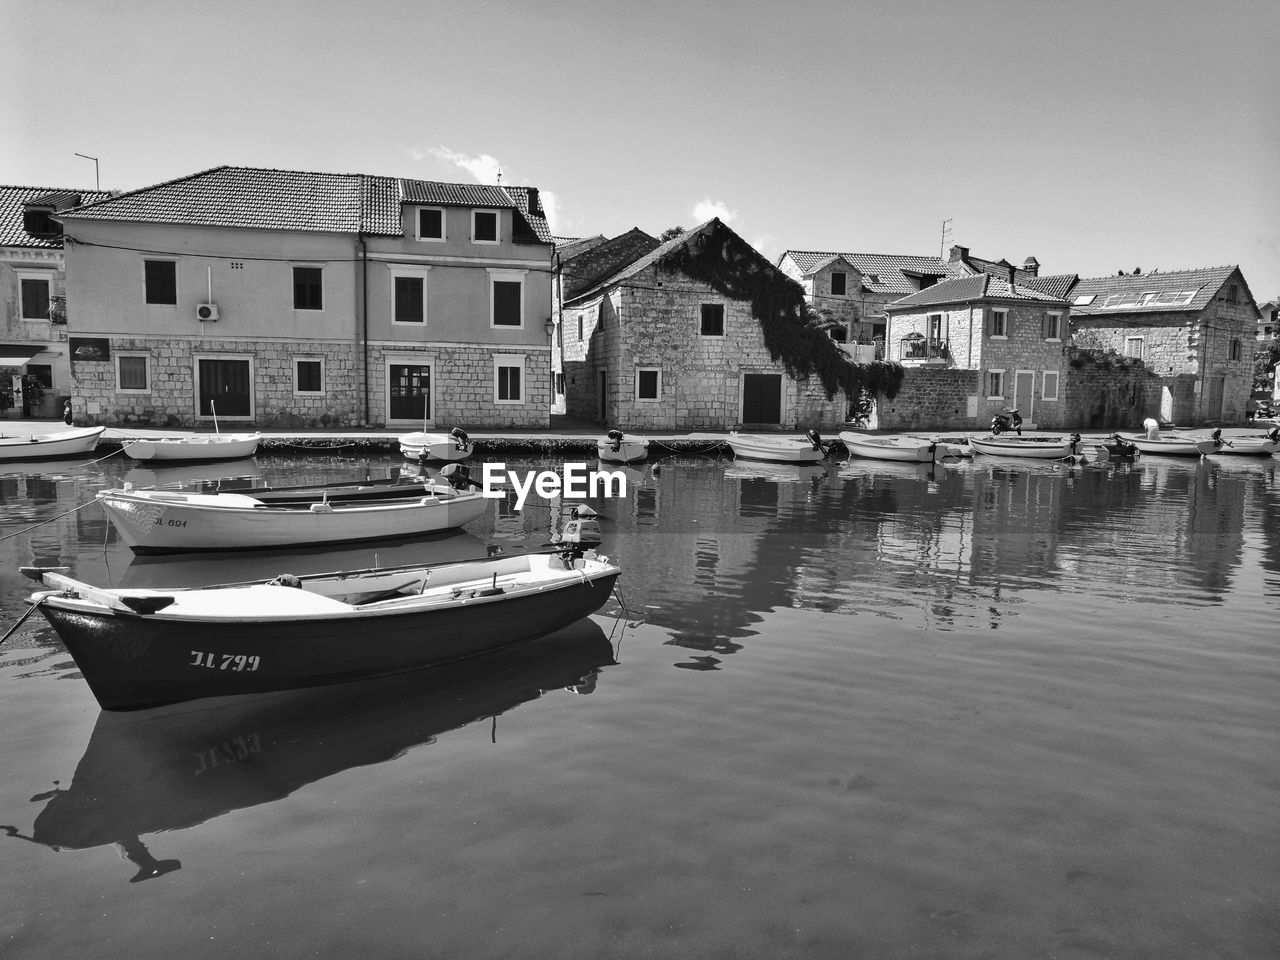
<point>1179,290</point>
<point>881,272</point>
<point>978,286</point>
<point>12,199</point>
<point>258,198</point>
<point>1055,286</point>
<point>569,247</point>
<point>590,266</point>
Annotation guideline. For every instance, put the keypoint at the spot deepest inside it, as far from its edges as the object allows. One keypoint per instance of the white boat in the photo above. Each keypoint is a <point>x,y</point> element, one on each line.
<point>615,448</point>
<point>139,648</point>
<point>1165,444</point>
<point>902,448</point>
<point>448,447</point>
<point>47,446</point>
<point>205,447</point>
<point>1255,445</point>
<point>806,449</point>
<point>174,521</point>
<point>1040,448</point>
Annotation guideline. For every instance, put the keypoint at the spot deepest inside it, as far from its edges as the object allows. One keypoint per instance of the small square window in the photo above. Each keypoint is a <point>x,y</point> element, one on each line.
<point>1133,347</point>
<point>431,224</point>
<point>484,226</point>
<point>995,383</point>
<point>35,298</point>
<point>507,383</point>
<point>308,291</point>
<point>999,323</point>
<point>161,280</point>
<point>1050,389</point>
<point>838,285</point>
<point>308,376</point>
<point>713,320</point>
<point>1053,326</point>
<point>648,384</point>
<point>131,374</point>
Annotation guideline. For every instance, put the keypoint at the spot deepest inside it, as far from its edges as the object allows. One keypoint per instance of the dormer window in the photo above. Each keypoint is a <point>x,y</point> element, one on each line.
<point>484,226</point>
<point>838,283</point>
<point>430,223</point>
<point>38,222</point>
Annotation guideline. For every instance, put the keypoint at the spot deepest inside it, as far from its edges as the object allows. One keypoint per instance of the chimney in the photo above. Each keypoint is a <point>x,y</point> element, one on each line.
<point>1011,271</point>
<point>958,253</point>
<point>534,201</point>
<point>1032,266</point>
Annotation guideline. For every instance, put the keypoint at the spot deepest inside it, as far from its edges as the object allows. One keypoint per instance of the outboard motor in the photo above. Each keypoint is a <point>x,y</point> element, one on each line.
<point>1216,437</point>
<point>816,439</point>
<point>460,438</point>
<point>458,476</point>
<point>1075,442</point>
<point>1009,420</point>
<point>615,440</point>
<point>1274,434</point>
<point>582,526</point>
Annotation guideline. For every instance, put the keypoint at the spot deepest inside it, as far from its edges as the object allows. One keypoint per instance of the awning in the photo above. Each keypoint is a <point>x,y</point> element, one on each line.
<point>18,354</point>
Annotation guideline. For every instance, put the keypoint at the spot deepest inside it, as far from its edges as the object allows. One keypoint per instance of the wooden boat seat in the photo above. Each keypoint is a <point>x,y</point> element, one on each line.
<point>256,600</point>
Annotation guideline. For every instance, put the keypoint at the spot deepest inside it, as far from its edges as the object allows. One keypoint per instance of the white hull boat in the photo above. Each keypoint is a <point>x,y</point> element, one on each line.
<point>196,448</point>
<point>615,448</point>
<point>776,449</point>
<point>1165,445</point>
<point>900,448</point>
<point>1258,445</point>
<point>68,443</point>
<point>1039,448</point>
<point>171,521</point>
<point>445,447</point>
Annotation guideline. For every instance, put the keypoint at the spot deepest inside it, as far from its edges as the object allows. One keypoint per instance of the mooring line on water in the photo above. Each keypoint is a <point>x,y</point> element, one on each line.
<point>50,520</point>
<point>22,619</point>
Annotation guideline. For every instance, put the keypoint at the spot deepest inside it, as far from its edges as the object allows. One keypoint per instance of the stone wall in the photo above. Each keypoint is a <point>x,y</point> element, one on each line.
<point>933,399</point>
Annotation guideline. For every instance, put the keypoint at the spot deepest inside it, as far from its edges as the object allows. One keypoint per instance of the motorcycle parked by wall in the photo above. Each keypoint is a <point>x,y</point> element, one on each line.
<point>1009,420</point>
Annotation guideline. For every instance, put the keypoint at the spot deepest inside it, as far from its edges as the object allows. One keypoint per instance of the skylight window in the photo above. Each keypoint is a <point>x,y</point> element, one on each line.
<point>1084,299</point>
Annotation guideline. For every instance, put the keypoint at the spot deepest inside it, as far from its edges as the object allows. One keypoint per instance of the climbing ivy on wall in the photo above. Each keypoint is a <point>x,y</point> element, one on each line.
<point>793,333</point>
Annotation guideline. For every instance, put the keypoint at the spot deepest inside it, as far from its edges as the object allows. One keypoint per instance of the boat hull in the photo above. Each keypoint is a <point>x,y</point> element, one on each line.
<point>1239,447</point>
<point>50,446</point>
<point>1170,445</point>
<point>901,449</point>
<point>152,522</point>
<point>192,449</point>
<point>136,662</point>
<point>1027,447</point>
<point>628,451</point>
<point>434,446</point>
<point>774,449</point>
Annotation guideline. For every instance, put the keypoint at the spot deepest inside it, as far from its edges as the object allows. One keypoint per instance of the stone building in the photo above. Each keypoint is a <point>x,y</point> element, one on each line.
<point>852,290</point>
<point>1012,336</point>
<point>1194,331</point>
<point>301,299</point>
<point>653,347</point>
<point>34,366</point>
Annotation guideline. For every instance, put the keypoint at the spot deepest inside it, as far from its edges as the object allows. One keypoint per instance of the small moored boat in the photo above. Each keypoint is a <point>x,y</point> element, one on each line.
<point>901,448</point>
<point>1256,445</point>
<point>447,447</point>
<point>806,449</point>
<point>173,521</point>
<point>1041,448</point>
<point>144,648</point>
<point>615,448</point>
<point>48,446</point>
<point>1164,444</point>
<point>194,448</point>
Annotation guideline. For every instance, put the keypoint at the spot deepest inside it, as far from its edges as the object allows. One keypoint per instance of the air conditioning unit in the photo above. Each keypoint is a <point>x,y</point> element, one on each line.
<point>206,311</point>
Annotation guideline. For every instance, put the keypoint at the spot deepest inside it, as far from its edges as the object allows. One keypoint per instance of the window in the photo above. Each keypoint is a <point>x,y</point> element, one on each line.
<point>431,223</point>
<point>839,334</point>
<point>160,278</point>
<point>1000,323</point>
<point>308,290</point>
<point>1049,390</point>
<point>409,294</point>
<point>1133,347</point>
<point>507,303</point>
<point>559,384</point>
<point>713,319</point>
<point>35,298</point>
<point>1053,326</point>
<point>484,226</point>
<point>308,375</point>
<point>132,373</point>
<point>579,327</point>
<point>995,384</point>
<point>1235,349</point>
<point>838,285</point>
<point>1233,293</point>
<point>935,328</point>
<point>648,384</point>
<point>508,379</point>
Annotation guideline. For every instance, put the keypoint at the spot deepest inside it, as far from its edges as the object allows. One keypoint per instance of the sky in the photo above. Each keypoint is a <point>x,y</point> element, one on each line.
<point>1094,135</point>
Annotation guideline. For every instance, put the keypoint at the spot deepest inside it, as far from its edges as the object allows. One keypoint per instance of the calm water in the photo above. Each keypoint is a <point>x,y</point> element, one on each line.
<point>984,710</point>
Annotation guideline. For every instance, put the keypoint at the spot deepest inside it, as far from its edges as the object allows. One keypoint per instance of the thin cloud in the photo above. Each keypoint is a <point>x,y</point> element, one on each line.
<point>708,208</point>
<point>483,167</point>
<point>551,207</point>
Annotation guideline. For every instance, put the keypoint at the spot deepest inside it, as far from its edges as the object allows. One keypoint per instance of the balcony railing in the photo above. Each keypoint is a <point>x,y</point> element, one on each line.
<point>922,349</point>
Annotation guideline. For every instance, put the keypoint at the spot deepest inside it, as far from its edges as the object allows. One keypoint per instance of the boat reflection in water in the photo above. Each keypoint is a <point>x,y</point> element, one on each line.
<point>778,472</point>
<point>176,767</point>
<point>177,474</point>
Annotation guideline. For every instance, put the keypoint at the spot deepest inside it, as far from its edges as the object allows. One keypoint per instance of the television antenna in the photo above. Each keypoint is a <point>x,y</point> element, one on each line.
<point>946,235</point>
<point>97,183</point>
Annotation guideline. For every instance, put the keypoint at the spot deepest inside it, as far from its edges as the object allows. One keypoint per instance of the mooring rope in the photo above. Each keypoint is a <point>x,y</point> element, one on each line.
<point>49,520</point>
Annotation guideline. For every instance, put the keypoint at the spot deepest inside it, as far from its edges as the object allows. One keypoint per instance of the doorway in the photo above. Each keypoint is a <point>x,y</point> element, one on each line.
<point>409,392</point>
<point>762,399</point>
<point>1024,394</point>
<point>223,388</point>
